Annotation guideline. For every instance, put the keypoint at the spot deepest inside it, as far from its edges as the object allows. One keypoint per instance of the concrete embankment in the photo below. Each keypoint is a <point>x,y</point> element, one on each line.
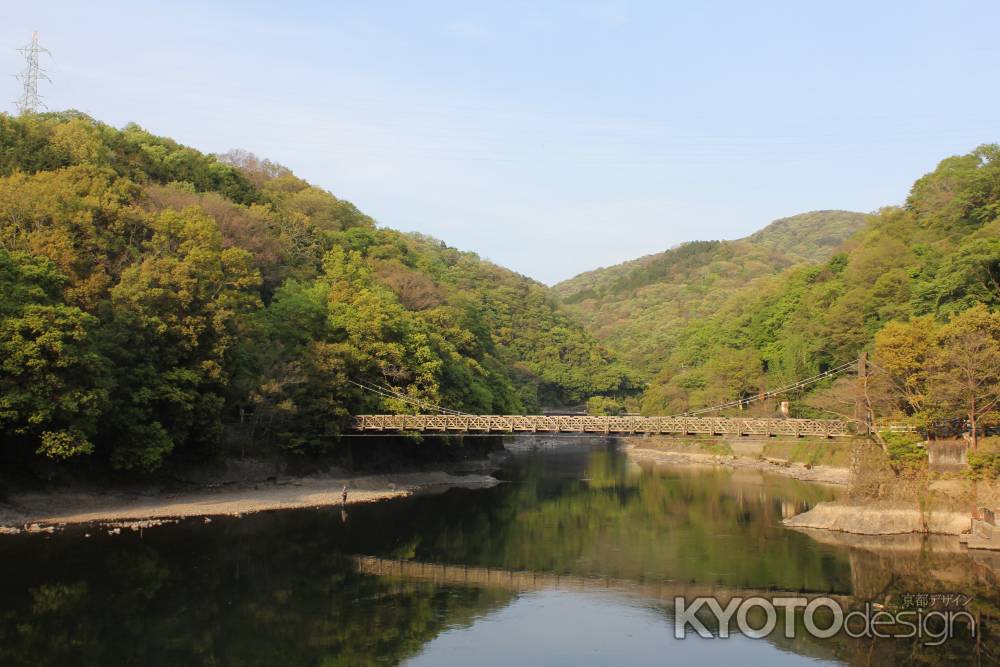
<point>779,458</point>
<point>880,519</point>
<point>741,454</point>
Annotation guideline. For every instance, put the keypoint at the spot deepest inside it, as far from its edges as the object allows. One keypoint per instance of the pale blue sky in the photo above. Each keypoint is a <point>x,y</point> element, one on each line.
<point>549,137</point>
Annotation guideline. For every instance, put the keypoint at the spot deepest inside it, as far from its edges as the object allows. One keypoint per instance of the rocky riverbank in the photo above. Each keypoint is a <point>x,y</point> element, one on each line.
<point>808,473</point>
<point>942,515</point>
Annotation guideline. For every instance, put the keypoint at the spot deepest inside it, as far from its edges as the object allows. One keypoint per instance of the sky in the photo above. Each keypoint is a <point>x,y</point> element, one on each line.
<point>548,137</point>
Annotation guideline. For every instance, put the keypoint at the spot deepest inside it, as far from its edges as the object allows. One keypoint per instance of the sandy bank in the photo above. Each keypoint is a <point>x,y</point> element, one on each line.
<point>38,512</point>
<point>818,473</point>
<point>880,519</point>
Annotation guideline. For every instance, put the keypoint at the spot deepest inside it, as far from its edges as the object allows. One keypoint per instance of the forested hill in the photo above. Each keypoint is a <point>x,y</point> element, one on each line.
<point>152,294</point>
<point>918,285</point>
<point>808,237</point>
<point>805,237</point>
<point>638,307</point>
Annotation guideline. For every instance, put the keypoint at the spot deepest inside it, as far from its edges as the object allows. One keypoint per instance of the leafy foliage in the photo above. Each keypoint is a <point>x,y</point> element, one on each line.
<point>52,377</point>
<point>933,373</point>
<point>639,308</point>
<point>984,465</point>
<point>153,294</point>
<point>605,405</point>
<point>905,449</point>
<point>909,270</point>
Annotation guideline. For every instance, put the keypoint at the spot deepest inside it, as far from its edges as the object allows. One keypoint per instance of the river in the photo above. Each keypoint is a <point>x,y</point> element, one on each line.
<point>572,561</point>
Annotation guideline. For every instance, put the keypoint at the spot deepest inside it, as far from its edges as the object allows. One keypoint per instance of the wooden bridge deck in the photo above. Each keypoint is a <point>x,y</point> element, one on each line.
<point>827,428</point>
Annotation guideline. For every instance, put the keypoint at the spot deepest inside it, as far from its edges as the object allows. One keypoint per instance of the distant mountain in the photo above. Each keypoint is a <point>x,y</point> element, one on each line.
<point>809,237</point>
<point>638,306</point>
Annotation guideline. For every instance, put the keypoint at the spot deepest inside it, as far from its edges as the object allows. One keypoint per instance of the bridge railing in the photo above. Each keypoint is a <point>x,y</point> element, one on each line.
<point>600,424</point>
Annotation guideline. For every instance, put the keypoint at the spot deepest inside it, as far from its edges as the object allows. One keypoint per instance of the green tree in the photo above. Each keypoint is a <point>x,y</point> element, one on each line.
<point>175,320</point>
<point>965,371</point>
<point>901,365</point>
<point>219,286</point>
<point>968,277</point>
<point>605,405</point>
<point>53,380</point>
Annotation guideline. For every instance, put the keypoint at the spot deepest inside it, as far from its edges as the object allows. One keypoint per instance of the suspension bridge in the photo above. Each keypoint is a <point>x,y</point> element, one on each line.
<point>439,419</point>
<point>827,428</point>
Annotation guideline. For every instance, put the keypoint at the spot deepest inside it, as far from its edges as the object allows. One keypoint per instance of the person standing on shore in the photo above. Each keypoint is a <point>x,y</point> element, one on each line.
<point>343,496</point>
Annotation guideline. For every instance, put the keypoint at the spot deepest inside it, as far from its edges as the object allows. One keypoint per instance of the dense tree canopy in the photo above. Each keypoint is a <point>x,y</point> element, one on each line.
<point>931,373</point>
<point>639,308</point>
<point>53,379</point>
<point>151,295</point>
<point>908,271</point>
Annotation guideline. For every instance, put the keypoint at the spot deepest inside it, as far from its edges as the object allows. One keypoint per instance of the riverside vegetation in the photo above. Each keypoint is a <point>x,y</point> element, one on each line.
<point>153,294</point>
<point>916,286</point>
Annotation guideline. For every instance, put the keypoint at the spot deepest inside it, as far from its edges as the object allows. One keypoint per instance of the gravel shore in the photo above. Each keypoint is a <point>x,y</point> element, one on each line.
<point>47,512</point>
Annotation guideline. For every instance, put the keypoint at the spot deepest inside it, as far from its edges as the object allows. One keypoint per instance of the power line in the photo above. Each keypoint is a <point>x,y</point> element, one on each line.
<point>31,101</point>
<point>387,392</point>
<point>775,392</point>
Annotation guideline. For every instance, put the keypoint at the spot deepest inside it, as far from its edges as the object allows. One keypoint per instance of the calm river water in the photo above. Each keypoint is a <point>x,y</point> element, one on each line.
<point>569,563</point>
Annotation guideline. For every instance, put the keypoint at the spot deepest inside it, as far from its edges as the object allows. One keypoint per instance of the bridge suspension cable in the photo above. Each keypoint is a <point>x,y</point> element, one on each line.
<point>386,392</point>
<point>774,392</point>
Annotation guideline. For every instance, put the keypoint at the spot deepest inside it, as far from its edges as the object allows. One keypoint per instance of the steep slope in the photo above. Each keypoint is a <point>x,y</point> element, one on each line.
<point>638,307</point>
<point>153,294</point>
<point>937,257</point>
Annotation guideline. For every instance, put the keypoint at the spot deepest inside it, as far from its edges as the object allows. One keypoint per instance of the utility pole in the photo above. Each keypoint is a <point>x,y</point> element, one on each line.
<point>30,101</point>
<point>861,411</point>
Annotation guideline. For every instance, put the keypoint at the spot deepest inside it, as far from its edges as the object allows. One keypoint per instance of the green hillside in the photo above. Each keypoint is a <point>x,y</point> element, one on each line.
<point>639,307</point>
<point>916,285</point>
<point>152,294</point>
<point>808,237</point>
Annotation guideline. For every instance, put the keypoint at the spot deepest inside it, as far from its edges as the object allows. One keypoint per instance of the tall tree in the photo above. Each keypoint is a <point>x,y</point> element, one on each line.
<point>176,319</point>
<point>903,352</point>
<point>965,371</point>
<point>53,380</point>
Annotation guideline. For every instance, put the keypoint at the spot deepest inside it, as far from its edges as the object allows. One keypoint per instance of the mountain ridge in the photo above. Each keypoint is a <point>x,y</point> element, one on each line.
<point>636,307</point>
<point>772,236</point>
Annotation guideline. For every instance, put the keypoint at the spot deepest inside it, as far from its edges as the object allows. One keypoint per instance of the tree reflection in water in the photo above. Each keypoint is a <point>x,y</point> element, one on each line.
<point>281,588</point>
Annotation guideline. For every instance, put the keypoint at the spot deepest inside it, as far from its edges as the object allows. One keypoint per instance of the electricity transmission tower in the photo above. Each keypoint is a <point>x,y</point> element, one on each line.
<point>30,101</point>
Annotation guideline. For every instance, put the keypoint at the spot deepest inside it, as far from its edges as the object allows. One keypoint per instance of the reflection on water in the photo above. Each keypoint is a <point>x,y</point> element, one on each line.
<point>284,587</point>
<point>558,628</point>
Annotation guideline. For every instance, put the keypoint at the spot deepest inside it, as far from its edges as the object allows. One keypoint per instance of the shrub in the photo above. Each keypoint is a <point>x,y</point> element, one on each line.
<point>984,465</point>
<point>605,405</point>
<point>905,448</point>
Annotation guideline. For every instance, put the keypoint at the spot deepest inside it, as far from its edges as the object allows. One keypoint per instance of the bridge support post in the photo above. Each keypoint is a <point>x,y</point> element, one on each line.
<point>862,413</point>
